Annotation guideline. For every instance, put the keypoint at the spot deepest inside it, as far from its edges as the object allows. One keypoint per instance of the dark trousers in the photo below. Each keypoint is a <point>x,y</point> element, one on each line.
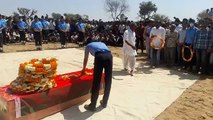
<point>62,37</point>
<point>102,61</point>
<point>38,38</point>
<point>22,36</point>
<point>4,36</point>
<point>187,55</point>
<point>139,43</point>
<point>201,55</point>
<point>45,34</point>
<point>1,40</point>
<point>80,36</point>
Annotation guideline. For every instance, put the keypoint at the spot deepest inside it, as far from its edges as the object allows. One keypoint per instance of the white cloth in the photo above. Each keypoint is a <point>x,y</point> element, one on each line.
<point>181,35</point>
<point>179,27</point>
<point>129,53</point>
<point>161,32</point>
<point>129,62</point>
<point>129,36</point>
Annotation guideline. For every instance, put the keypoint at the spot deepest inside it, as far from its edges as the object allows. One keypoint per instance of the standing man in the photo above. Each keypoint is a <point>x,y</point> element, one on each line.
<point>1,34</point>
<point>81,32</point>
<point>103,60</point>
<point>62,26</point>
<point>139,36</point>
<point>201,45</point>
<point>22,26</point>
<point>190,36</point>
<point>180,41</point>
<point>171,43</point>
<point>155,54</point>
<point>37,30</point>
<point>146,35</point>
<point>129,49</point>
<point>45,31</point>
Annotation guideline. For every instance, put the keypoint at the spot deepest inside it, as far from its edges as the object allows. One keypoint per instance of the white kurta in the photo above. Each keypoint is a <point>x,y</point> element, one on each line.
<point>128,52</point>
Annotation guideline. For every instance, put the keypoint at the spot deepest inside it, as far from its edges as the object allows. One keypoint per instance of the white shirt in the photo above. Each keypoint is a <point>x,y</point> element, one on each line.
<point>129,36</point>
<point>161,32</point>
<point>181,36</point>
<point>178,28</point>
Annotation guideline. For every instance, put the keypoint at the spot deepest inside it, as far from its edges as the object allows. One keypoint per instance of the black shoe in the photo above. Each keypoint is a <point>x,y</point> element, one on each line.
<point>102,104</point>
<point>89,108</point>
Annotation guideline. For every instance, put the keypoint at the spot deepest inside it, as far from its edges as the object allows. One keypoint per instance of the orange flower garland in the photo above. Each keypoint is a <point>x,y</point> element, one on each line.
<point>154,38</point>
<point>191,55</point>
<point>35,76</point>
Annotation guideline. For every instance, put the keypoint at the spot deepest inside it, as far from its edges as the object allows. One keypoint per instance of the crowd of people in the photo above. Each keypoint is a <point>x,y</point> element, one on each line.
<point>185,43</point>
<point>179,43</point>
<point>43,30</point>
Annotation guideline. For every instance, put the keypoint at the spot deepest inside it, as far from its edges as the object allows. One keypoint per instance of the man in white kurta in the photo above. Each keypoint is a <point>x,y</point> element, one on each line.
<point>129,49</point>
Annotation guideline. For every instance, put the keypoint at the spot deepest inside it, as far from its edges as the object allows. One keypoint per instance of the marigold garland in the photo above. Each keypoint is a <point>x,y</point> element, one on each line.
<point>35,76</point>
<point>191,53</point>
<point>154,38</point>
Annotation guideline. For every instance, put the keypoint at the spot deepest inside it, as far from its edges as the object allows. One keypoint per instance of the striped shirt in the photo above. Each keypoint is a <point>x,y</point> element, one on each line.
<point>201,39</point>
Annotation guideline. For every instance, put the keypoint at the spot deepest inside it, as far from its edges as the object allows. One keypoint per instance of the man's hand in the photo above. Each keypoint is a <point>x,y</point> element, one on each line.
<point>133,47</point>
<point>83,72</point>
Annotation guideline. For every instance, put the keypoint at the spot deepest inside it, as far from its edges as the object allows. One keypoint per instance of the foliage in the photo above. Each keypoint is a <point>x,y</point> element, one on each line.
<point>202,15</point>
<point>116,8</point>
<point>25,12</point>
<point>161,18</point>
<point>147,9</point>
<point>56,15</point>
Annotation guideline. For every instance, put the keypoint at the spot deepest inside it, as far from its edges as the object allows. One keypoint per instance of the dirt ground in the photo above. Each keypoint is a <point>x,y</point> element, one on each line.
<point>196,103</point>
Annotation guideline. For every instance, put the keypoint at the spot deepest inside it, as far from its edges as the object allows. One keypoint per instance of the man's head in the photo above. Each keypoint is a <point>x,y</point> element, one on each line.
<point>61,18</point>
<point>132,26</point>
<point>157,24</point>
<point>172,28</point>
<point>36,18</point>
<point>191,22</point>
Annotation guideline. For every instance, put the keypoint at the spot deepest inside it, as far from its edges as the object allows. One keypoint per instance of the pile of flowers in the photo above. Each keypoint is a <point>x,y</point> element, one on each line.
<point>35,76</point>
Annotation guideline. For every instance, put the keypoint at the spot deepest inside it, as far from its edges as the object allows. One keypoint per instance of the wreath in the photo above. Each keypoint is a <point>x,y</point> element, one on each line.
<point>191,53</point>
<point>155,37</point>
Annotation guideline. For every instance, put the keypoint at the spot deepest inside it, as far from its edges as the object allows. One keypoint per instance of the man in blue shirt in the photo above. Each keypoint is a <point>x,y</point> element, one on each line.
<point>1,35</point>
<point>189,40</point>
<point>4,33</point>
<point>103,60</point>
<point>62,26</point>
<point>81,32</point>
<point>37,31</point>
<point>45,31</point>
<point>22,27</point>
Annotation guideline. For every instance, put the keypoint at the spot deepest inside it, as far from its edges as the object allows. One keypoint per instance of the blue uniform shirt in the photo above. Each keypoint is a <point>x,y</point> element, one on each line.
<point>45,23</point>
<point>22,25</point>
<point>95,47</point>
<point>190,35</point>
<point>37,25</point>
<point>62,25</point>
<point>81,26</point>
<point>1,24</point>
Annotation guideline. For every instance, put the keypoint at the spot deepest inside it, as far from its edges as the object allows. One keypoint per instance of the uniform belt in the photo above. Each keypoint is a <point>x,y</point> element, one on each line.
<point>102,52</point>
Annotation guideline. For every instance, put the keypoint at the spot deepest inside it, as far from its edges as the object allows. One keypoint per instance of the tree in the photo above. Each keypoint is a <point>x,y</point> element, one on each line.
<point>56,15</point>
<point>147,9</point>
<point>123,17</point>
<point>161,18</point>
<point>203,15</point>
<point>116,8</point>
<point>25,12</point>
